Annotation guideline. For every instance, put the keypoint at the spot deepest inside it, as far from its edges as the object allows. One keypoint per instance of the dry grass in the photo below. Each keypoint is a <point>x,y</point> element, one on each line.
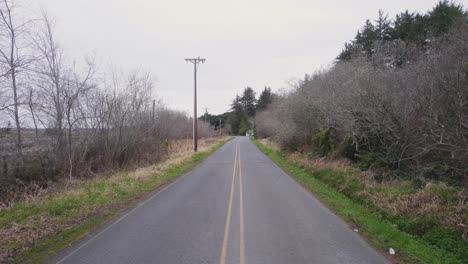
<point>434,200</point>
<point>67,204</point>
<point>349,192</point>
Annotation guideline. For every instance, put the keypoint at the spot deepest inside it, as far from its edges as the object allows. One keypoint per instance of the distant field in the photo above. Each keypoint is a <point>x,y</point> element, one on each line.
<point>31,141</point>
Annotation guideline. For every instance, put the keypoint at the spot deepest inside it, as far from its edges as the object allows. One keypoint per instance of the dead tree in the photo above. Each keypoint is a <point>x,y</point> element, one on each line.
<point>13,56</point>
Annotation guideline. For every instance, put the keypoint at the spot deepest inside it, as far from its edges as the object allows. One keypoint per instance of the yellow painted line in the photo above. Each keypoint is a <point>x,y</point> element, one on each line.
<point>228,217</point>
<point>241,220</point>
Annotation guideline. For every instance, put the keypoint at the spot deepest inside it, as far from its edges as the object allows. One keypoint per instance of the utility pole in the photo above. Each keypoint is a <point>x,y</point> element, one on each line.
<point>206,113</point>
<point>219,127</point>
<point>195,62</point>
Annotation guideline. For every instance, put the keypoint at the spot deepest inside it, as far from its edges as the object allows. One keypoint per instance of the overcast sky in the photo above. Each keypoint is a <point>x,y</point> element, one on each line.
<point>246,42</point>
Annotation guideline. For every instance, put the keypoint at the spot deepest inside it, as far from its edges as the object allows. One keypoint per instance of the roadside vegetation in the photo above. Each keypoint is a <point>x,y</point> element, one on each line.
<point>72,132</point>
<point>241,117</point>
<point>386,127</point>
<point>65,118</point>
<point>396,214</point>
<point>41,225</point>
<point>392,104</point>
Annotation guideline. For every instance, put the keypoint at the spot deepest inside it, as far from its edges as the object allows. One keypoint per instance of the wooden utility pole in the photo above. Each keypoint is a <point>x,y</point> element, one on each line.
<point>195,62</point>
<point>206,113</point>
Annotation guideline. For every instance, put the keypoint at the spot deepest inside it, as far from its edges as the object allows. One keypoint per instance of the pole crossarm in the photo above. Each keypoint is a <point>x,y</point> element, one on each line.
<point>195,60</point>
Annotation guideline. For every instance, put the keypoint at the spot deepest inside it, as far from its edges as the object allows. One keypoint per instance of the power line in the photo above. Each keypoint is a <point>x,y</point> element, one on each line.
<point>195,62</point>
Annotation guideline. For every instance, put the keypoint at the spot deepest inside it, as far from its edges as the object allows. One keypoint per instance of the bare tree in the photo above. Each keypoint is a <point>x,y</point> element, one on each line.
<point>412,117</point>
<point>62,87</point>
<point>14,57</point>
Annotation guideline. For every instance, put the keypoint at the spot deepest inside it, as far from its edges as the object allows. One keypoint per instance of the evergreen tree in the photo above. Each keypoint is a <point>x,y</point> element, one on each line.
<point>383,27</point>
<point>244,126</point>
<point>264,99</point>
<point>248,102</point>
<point>237,113</point>
<point>443,16</point>
<point>411,28</point>
<point>348,52</point>
<point>366,37</point>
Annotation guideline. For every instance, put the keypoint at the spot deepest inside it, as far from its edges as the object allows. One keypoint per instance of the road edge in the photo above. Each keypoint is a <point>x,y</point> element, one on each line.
<point>358,215</point>
<point>91,227</point>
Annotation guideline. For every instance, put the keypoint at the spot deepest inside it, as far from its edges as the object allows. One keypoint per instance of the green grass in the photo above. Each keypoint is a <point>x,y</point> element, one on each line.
<point>382,232</point>
<point>98,200</point>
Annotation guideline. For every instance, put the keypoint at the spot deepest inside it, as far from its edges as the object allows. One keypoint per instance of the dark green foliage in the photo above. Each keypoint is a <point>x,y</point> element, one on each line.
<point>435,234</point>
<point>350,50</point>
<point>366,37</point>
<point>244,126</point>
<point>411,28</point>
<point>443,16</point>
<point>383,27</point>
<point>347,148</point>
<point>255,132</point>
<point>242,108</point>
<point>323,142</point>
<point>248,102</point>
<point>447,240</point>
<point>236,115</point>
<point>367,159</point>
<point>264,99</point>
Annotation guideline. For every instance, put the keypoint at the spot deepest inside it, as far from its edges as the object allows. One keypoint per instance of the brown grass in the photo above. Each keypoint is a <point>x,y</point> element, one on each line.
<point>437,200</point>
<point>21,228</point>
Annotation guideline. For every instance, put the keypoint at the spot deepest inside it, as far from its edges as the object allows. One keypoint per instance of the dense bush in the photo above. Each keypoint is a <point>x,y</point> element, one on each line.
<point>411,118</point>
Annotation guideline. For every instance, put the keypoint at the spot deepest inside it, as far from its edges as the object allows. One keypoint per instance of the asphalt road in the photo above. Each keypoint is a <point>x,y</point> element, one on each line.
<point>236,207</point>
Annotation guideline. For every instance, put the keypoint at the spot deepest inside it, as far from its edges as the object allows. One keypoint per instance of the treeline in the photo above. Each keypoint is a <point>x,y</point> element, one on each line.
<point>243,109</point>
<point>63,118</point>
<point>241,117</point>
<point>397,99</point>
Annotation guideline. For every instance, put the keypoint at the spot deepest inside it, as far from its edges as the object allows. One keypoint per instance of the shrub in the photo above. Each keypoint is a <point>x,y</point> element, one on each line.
<point>323,142</point>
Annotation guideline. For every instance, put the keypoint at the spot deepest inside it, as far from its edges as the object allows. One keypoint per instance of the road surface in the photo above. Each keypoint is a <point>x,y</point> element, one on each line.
<point>236,207</point>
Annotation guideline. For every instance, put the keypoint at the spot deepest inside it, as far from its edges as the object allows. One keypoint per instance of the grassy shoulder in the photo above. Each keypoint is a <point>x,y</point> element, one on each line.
<point>40,227</point>
<point>382,228</point>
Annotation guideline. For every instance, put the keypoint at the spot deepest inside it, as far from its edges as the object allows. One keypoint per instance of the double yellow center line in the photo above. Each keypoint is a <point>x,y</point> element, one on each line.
<point>237,161</point>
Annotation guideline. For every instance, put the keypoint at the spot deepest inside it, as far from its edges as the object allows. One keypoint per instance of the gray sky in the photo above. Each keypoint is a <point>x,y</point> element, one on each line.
<point>246,42</point>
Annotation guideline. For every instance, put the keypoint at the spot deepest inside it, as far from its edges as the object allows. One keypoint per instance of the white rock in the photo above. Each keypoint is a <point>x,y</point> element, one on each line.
<point>391,251</point>
<point>355,230</point>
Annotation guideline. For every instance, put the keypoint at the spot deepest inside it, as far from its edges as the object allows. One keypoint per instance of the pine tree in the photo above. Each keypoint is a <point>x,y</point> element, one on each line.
<point>443,16</point>
<point>248,102</point>
<point>237,113</point>
<point>264,99</point>
<point>411,28</point>
<point>383,27</point>
<point>366,37</point>
<point>349,51</point>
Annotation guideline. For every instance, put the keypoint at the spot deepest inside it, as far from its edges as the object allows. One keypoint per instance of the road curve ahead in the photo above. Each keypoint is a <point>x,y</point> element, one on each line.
<point>236,207</point>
